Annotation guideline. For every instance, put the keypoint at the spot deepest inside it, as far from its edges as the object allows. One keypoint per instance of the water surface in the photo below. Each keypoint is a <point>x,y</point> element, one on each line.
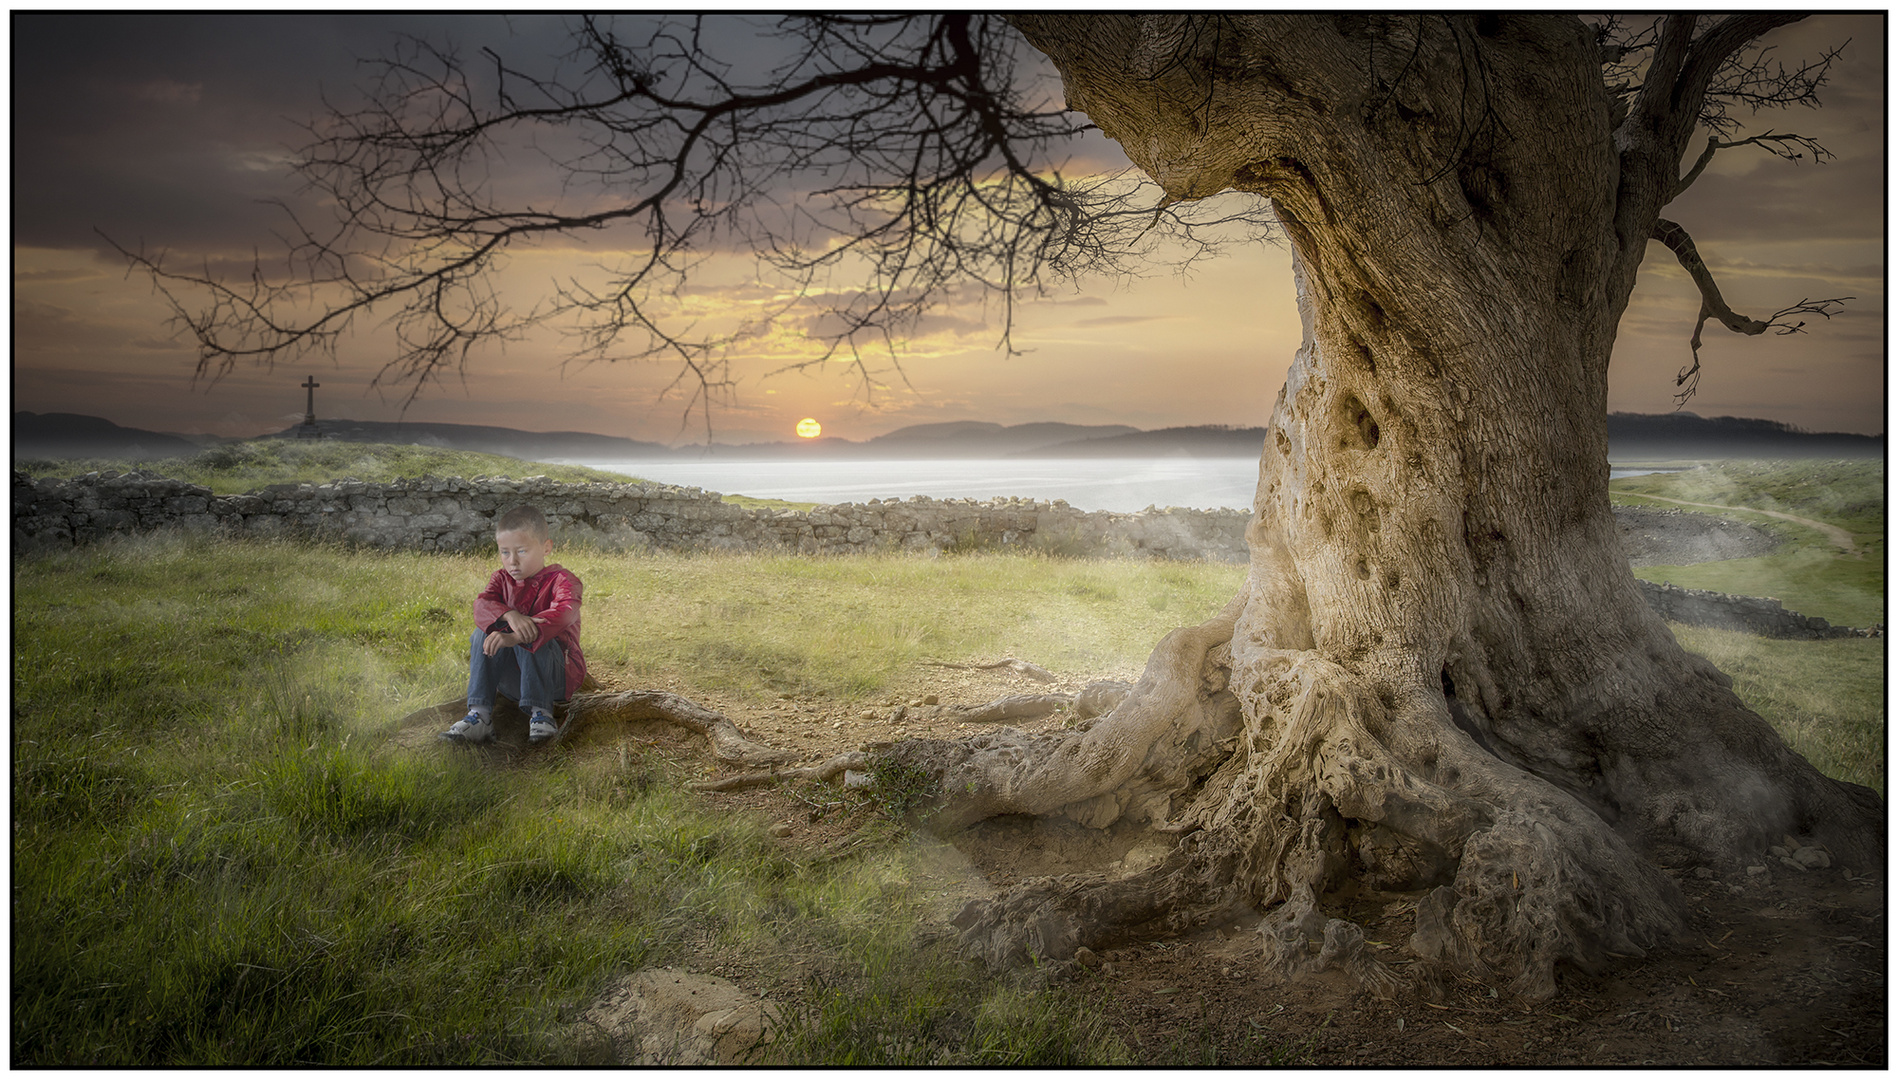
<point>1123,484</point>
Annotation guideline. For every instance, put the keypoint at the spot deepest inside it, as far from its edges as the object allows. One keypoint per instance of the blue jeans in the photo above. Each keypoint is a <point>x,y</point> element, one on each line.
<point>534,677</point>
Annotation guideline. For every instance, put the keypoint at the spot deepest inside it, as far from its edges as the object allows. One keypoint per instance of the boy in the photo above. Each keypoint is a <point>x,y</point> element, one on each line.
<point>527,632</point>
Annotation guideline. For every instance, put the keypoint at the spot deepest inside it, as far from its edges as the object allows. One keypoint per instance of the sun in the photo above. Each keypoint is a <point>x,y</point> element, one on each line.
<point>808,428</point>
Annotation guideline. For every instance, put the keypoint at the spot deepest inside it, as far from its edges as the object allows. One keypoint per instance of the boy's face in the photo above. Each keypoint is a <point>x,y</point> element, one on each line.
<point>522,554</point>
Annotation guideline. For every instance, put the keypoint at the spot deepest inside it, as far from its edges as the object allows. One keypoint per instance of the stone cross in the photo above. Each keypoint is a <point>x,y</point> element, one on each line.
<point>309,413</point>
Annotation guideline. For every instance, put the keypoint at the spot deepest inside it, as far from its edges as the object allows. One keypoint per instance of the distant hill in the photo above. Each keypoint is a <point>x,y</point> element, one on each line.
<point>1206,440</point>
<point>531,445</point>
<point>954,439</point>
<point>1631,436</point>
<point>1687,435</point>
<point>70,435</point>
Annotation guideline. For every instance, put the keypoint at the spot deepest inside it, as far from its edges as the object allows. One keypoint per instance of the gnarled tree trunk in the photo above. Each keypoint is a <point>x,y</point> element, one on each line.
<point>1439,676</point>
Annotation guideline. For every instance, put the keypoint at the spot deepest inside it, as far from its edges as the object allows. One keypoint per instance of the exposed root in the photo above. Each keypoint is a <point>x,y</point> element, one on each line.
<point>1173,727</point>
<point>1300,941</point>
<point>1019,667</point>
<point>728,743</point>
<point>1013,707</point>
<point>829,770</point>
<point>1194,887</point>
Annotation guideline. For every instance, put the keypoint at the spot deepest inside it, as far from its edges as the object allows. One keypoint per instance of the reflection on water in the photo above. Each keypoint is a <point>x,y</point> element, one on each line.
<point>1086,483</point>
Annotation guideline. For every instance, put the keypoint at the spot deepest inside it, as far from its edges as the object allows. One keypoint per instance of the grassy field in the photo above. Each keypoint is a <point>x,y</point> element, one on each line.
<point>236,468</point>
<point>219,859</point>
<point>1806,573</point>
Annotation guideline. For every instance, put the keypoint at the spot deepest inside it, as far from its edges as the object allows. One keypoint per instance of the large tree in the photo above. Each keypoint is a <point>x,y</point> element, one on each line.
<point>1439,677</point>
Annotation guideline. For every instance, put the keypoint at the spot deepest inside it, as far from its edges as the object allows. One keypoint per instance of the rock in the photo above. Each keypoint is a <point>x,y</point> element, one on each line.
<point>665,1016</point>
<point>1704,873</point>
<point>931,699</point>
<point>1085,957</point>
<point>781,830</point>
<point>1778,852</point>
<point>1756,871</point>
<point>1812,858</point>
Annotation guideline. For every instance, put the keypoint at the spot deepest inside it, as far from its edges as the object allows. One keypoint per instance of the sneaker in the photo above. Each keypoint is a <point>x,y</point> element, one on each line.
<point>541,727</point>
<point>472,728</point>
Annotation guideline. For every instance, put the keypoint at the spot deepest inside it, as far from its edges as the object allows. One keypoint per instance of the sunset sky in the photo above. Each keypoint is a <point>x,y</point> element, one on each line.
<point>169,131</point>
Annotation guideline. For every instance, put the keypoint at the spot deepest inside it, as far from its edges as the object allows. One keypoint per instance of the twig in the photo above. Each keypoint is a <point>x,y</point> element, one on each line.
<point>728,743</point>
<point>855,759</point>
<point>1019,667</point>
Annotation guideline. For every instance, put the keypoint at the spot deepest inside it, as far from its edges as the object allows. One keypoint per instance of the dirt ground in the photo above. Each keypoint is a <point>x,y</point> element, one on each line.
<point>1779,968</point>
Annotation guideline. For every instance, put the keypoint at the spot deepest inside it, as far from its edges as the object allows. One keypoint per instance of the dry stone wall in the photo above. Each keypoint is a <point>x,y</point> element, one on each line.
<point>1749,614</point>
<point>452,514</point>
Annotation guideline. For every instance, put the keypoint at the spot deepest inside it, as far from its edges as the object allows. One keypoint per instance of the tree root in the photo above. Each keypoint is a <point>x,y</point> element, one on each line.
<point>728,743</point>
<point>1019,667</point>
<point>855,759</point>
<point>1332,776</point>
<point>1013,707</point>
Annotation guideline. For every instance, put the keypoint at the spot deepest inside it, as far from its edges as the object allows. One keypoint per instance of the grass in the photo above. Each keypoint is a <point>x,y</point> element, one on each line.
<point>1807,573</point>
<point>235,468</point>
<point>1825,698</point>
<point>844,628</point>
<point>219,860</point>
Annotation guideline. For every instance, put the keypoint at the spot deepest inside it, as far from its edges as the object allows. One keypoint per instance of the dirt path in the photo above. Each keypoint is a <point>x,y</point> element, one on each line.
<point>1839,537</point>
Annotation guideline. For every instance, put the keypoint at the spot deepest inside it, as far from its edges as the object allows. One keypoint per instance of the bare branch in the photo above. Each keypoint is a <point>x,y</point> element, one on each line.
<point>1712,305</point>
<point>908,156</point>
<point>1788,146</point>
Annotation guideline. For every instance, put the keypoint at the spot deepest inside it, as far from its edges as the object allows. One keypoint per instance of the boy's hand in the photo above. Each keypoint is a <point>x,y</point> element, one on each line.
<point>524,628</point>
<point>494,643</point>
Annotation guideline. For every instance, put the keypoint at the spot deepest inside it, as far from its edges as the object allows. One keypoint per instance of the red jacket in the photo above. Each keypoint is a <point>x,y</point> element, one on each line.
<point>552,597</point>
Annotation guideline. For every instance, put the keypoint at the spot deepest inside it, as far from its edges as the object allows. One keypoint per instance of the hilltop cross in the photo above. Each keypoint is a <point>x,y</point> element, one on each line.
<point>308,431</point>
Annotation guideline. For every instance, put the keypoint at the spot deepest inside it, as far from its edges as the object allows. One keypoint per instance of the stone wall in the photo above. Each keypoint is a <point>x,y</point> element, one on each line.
<point>452,514</point>
<point>1748,614</point>
<point>436,514</point>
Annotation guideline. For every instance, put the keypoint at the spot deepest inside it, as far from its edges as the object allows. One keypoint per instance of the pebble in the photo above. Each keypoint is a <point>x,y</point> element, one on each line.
<point>1812,858</point>
<point>781,830</point>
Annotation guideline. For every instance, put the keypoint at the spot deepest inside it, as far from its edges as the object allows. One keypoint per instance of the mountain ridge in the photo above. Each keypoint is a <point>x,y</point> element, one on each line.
<point>1630,436</point>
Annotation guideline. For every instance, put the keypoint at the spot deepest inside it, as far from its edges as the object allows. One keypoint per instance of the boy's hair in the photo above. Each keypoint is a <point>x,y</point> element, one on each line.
<point>523,518</point>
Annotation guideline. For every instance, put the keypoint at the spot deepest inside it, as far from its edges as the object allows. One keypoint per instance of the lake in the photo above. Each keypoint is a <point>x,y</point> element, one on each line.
<point>1086,483</point>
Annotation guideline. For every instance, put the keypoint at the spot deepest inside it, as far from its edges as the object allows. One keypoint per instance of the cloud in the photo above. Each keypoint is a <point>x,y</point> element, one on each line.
<point>169,92</point>
<point>1124,320</point>
<point>58,274</point>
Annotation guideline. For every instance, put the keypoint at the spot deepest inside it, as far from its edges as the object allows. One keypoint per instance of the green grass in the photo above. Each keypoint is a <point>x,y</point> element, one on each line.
<point>1806,579</point>
<point>236,468</point>
<point>1825,698</point>
<point>1848,493</point>
<point>220,859</point>
<point>1807,573</point>
<point>845,628</point>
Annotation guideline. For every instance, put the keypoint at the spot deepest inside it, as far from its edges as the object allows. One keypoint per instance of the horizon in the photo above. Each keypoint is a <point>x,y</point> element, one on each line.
<point>1773,427</point>
<point>169,130</point>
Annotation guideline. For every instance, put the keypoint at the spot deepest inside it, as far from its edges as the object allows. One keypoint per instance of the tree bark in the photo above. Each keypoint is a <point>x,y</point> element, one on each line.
<point>1439,677</point>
